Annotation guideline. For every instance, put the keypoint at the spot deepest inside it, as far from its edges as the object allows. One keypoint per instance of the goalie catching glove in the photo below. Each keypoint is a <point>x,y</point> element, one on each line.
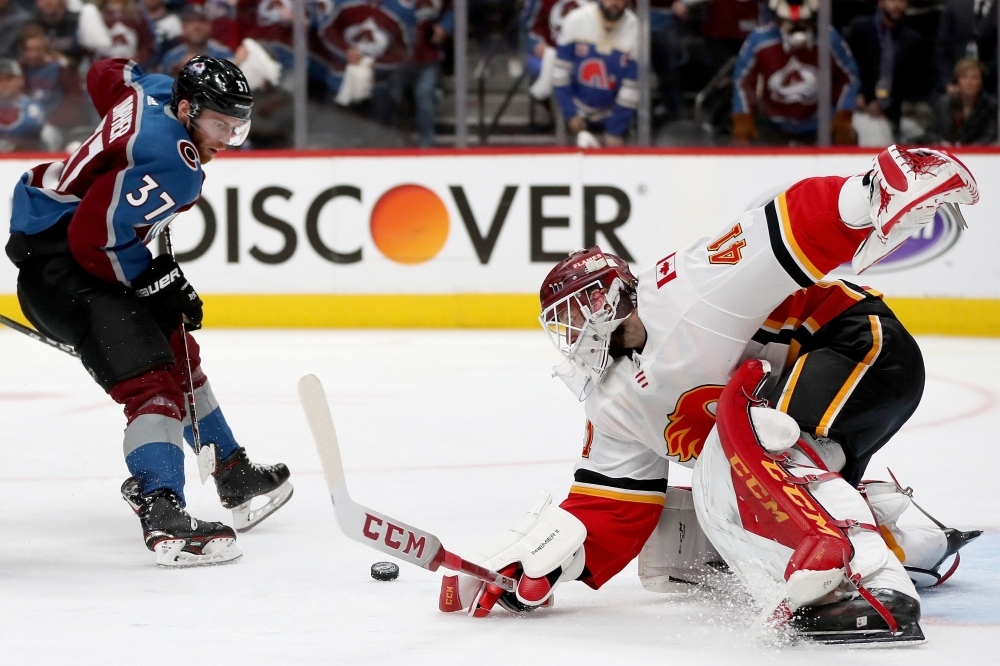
<point>544,549</point>
<point>168,295</point>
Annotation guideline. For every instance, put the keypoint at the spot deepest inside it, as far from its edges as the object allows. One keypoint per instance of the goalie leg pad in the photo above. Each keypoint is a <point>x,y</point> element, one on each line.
<point>678,555</point>
<point>817,524</point>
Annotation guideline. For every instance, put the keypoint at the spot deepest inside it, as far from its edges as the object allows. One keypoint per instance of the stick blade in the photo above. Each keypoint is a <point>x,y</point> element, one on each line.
<point>371,528</point>
<point>317,411</point>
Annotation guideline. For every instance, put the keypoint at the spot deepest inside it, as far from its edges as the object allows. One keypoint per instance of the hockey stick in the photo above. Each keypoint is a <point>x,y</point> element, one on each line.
<point>35,335</point>
<point>373,529</point>
<point>206,462</point>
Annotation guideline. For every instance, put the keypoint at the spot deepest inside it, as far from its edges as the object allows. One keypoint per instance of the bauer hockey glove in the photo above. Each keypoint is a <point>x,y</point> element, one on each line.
<point>544,549</point>
<point>168,295</point>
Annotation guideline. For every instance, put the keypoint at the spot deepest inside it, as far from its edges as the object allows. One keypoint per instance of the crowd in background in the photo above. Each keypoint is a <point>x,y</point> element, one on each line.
<point>742,72</point>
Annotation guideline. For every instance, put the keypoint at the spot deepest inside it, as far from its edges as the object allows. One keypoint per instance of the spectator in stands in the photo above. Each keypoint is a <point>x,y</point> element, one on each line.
<point>967,29</point>
<point>273,112</point>
<point>269,22</point>
<point>130,34</point>
<point>12,19</point>
<point>436,24</point>
<point>666,55</point>
<point>21,118</point>
<point>784,54</point>
<point>52,81</point>
<point>222,14</point>
<point>595,72</point>
<point>195,30</point>
<point>894,66</point>
<point>365,43</point>
<point>725,26</point>
<point>166,27</point>
<point>73,34</point>
<point>967,116</point>
<point>542,21</point>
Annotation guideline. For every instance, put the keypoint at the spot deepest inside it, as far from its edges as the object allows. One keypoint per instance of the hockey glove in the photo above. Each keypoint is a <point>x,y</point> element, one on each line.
<point>544,549</point>
<point>168,295</point>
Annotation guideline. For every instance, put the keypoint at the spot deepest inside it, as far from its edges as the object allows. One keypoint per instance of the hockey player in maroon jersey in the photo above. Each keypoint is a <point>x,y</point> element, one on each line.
<point>774,480</point>
<point>79,231</point>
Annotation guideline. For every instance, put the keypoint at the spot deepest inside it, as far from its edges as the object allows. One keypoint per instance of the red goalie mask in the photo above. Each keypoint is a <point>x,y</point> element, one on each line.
<point>584,298</point>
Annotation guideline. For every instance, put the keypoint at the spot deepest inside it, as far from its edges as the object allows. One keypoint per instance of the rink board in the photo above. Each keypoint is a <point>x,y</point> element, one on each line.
<point>446,239</point>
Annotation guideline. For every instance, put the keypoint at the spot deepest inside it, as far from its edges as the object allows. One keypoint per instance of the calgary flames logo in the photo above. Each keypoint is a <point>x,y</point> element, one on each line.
<point>691,421</point>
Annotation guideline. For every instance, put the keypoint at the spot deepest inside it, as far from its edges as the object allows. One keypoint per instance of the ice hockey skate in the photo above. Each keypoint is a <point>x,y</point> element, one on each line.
<point>239,482</point>
<point>177,538</point>
<point>856,620</point>
<point>906,187</point>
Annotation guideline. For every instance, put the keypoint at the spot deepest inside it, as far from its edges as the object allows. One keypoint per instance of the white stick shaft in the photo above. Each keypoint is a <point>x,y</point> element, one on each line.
<point>372,528</point>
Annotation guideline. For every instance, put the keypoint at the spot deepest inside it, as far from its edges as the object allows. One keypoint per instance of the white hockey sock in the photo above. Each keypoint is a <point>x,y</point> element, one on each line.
<point>853,203</point>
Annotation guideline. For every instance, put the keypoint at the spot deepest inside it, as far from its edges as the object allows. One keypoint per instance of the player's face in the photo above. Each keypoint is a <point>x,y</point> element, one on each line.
<point>213,131</point>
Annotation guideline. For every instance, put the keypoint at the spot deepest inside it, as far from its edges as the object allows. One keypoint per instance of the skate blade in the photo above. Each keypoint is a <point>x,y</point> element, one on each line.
<point>245,518</point>
<point>877,638</point>
<point>171,554</point>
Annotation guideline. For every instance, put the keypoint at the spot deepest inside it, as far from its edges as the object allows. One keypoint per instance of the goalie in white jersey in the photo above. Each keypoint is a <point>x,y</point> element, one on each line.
<point>657,359</point>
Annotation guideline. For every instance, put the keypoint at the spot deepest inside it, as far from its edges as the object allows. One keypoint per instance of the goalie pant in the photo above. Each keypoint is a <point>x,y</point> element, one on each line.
<point>848,364</point>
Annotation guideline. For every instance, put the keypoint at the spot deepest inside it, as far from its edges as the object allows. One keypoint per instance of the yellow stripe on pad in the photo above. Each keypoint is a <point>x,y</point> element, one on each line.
<point>823,429</point>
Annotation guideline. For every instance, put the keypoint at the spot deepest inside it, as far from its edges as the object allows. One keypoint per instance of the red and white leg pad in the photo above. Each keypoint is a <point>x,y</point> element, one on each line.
<point>789,528</point>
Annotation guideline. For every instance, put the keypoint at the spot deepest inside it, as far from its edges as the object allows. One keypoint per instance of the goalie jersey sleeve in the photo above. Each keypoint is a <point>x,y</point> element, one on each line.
<point>618,492</point>
<point>702,308</point>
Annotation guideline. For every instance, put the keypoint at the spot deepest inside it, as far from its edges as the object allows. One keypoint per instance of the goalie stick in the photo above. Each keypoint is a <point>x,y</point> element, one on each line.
<point>373,529</point>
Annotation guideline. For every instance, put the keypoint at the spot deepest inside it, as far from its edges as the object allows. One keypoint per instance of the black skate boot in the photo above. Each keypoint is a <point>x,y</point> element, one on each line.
<point>178,539</point>
<point>239,481</point>
<point>856,621</point>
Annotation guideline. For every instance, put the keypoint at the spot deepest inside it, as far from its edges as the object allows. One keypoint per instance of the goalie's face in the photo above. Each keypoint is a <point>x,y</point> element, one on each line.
<point>569,318</point>
<point>580,327</point>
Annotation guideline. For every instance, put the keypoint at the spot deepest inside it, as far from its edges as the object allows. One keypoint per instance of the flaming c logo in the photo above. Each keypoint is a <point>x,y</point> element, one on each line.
<point>691,421</point>
<point>409,224</point>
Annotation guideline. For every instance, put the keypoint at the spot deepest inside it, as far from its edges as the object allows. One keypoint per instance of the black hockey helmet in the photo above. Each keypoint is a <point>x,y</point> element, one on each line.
<point>213,83</point>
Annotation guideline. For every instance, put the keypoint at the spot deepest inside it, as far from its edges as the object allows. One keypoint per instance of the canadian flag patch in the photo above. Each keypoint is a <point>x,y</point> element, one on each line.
<point>665,270</point>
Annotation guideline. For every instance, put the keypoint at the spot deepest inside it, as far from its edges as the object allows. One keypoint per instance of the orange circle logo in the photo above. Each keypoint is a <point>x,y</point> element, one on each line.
<point>409,224</point>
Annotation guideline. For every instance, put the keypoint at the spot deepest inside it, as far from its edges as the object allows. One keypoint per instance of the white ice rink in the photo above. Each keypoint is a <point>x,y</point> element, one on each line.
<point>455,432</point>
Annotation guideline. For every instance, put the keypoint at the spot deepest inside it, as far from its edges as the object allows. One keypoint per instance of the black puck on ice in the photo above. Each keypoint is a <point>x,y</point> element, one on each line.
<point>385,571</point>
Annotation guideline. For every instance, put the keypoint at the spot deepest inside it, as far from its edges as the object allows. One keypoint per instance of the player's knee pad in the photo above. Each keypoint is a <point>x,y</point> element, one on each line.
<point>152,392</point>
<point>153,442</point>
<point>786,525</point>
<point>678,555</point>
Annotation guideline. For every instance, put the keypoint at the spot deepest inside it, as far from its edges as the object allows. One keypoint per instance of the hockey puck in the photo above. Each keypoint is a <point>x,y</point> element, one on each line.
<point>385,571</point>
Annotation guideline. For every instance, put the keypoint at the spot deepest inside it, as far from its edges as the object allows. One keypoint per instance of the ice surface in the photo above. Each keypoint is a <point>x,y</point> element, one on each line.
<point>452,431</point>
